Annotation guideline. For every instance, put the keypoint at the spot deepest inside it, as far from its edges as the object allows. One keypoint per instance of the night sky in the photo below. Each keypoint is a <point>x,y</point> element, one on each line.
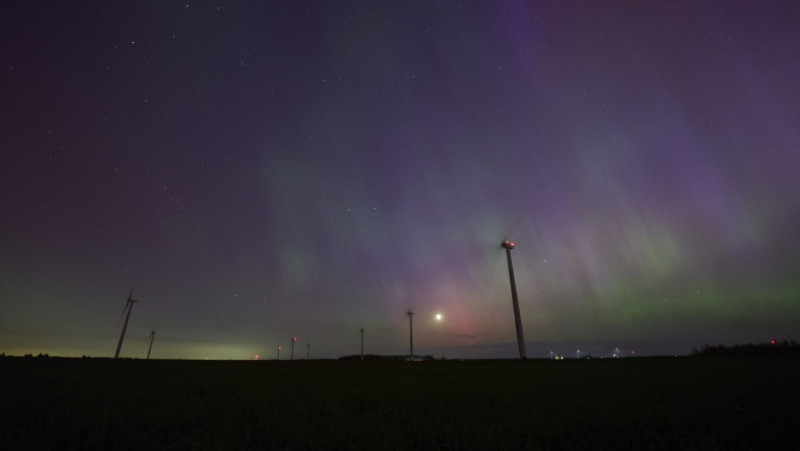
<point>258,171</point>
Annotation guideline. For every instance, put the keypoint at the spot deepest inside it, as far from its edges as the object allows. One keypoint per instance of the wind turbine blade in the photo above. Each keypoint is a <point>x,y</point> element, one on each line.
<point>127,303</point>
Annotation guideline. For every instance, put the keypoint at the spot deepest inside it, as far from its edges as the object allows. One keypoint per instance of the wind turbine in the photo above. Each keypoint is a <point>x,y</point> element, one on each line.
<point>362,343</point>
<point>508,245</point>
<point>291,356</point>
<point>410,335</point>
<point>152,337</point>
<point>128,307</point>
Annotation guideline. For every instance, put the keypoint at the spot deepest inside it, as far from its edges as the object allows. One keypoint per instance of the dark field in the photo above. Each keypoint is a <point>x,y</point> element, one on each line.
<point>642,403</point>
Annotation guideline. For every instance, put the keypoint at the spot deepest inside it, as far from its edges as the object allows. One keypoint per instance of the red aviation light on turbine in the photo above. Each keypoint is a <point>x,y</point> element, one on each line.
<point>508,244</point>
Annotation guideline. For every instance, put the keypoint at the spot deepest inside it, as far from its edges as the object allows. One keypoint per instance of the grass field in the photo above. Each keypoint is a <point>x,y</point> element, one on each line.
<point>639,403</point>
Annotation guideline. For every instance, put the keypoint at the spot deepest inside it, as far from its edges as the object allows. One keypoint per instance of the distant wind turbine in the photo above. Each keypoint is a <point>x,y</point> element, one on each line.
<point>410,335</point>
<point>128,307</point>
<point>362,343</point>
<point>152,337</point>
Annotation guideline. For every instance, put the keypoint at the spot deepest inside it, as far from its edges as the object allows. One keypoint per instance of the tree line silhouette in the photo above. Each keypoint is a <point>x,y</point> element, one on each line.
<point>773,347</point>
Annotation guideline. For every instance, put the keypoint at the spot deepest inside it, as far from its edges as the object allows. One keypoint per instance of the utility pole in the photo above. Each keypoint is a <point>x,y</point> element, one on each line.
<point>508,245</point>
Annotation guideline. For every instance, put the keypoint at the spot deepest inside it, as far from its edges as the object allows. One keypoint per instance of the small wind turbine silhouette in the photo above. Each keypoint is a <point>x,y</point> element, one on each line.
<point>128,307</point>
<point>362,343</point>
<point>410,335</point>
<point>152,337</point>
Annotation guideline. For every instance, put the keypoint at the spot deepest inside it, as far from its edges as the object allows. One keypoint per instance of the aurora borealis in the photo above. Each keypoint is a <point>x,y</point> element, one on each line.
<point>267,170</point>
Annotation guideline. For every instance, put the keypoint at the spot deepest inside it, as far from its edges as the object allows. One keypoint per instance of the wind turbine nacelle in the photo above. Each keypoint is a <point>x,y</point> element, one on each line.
<point>508,244</point>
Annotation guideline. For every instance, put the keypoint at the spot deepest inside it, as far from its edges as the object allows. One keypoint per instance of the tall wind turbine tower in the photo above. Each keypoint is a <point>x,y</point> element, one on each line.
<point>128,307</point>
<point>362,343</point>
<point>410,335</point>
<point>508,245</point>
<point>152,337</point>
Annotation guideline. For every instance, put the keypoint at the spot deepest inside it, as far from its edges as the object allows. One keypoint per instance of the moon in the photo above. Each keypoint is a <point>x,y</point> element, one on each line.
<point>438,317</point>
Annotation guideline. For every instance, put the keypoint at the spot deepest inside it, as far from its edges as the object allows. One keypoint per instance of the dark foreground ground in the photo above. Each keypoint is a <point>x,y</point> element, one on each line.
<point>643,403</point>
